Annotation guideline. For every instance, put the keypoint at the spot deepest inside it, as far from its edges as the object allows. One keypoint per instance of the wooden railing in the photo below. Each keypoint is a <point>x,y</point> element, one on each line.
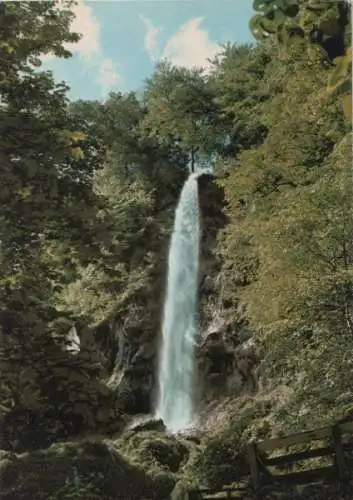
<point>225,493</point>
<point>261,477</point>
<point>259,463</point>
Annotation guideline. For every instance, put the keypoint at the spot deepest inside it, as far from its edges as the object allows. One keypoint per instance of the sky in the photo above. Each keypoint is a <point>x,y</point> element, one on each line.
<point>122,40</point>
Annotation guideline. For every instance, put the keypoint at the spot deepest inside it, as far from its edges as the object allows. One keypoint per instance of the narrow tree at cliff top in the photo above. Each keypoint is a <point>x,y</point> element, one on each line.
<point>117,122</point>
<point>182,110</point>
<point>236,80</point>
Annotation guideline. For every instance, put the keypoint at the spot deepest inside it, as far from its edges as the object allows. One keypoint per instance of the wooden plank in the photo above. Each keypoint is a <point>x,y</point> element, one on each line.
<point>223,497</point>
<point>300,455</point>
<point>254,469</point>
<point>224,489</point>
<point>227,487</point>
<point>302,437</point>
<point>226,493</point>
<point>303,477</point>
<point>337,444</point>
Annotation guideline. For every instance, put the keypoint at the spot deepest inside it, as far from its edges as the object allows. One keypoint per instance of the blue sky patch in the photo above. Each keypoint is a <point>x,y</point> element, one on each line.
<point>123,40</point>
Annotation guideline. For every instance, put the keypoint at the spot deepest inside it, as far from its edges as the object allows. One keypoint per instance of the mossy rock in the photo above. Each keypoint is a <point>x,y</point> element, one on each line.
<point>154,450</point>
<point>87,470</point>
<point>167,453</point>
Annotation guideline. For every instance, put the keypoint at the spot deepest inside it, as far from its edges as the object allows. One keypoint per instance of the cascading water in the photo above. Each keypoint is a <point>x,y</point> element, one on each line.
<point>177,365</point>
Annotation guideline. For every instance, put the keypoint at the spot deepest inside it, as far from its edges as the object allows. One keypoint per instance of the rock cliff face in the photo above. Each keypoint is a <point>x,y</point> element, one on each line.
<point>225,356</point>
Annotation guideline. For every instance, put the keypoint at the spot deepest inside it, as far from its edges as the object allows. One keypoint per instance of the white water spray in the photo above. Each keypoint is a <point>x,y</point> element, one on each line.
<point>177,364</point>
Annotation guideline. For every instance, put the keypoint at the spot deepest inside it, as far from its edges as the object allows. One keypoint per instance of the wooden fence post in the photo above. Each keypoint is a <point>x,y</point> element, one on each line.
<point>254,469</point>
<point>339,455</point>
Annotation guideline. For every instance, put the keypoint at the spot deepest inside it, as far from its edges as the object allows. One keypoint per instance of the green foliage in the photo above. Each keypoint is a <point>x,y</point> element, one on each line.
<point>154,451</point>
<point>47,193</point>
<point>47,208</point>
<point>236,80</point>
<point>224,458</point>
<point>338,76</point>
<point>286,252</point>
<point>274,16</point>
<point>117,122</point>
<point>321,24</point>
<point>340,81</point>
<point>46,390</point>
<point>182,109</point>
<point>221,463</point>
<point>284,167</point>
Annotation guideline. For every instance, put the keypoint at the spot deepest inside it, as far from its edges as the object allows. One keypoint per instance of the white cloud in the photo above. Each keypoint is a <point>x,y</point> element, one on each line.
<point>88,48</point>
<point>109,78</point>
<point>190,46</point>
<point>151,37</point>
<point>86,24</point>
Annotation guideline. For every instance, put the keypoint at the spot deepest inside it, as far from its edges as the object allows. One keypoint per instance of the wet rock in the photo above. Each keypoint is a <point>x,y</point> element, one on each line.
<point>131,350</point>
<point>135,389</point>
<point>226,360</point>
<point>147,424</point>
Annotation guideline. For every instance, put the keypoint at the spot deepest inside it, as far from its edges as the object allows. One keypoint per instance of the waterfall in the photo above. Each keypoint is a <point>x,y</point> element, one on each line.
<point>177,364</point>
